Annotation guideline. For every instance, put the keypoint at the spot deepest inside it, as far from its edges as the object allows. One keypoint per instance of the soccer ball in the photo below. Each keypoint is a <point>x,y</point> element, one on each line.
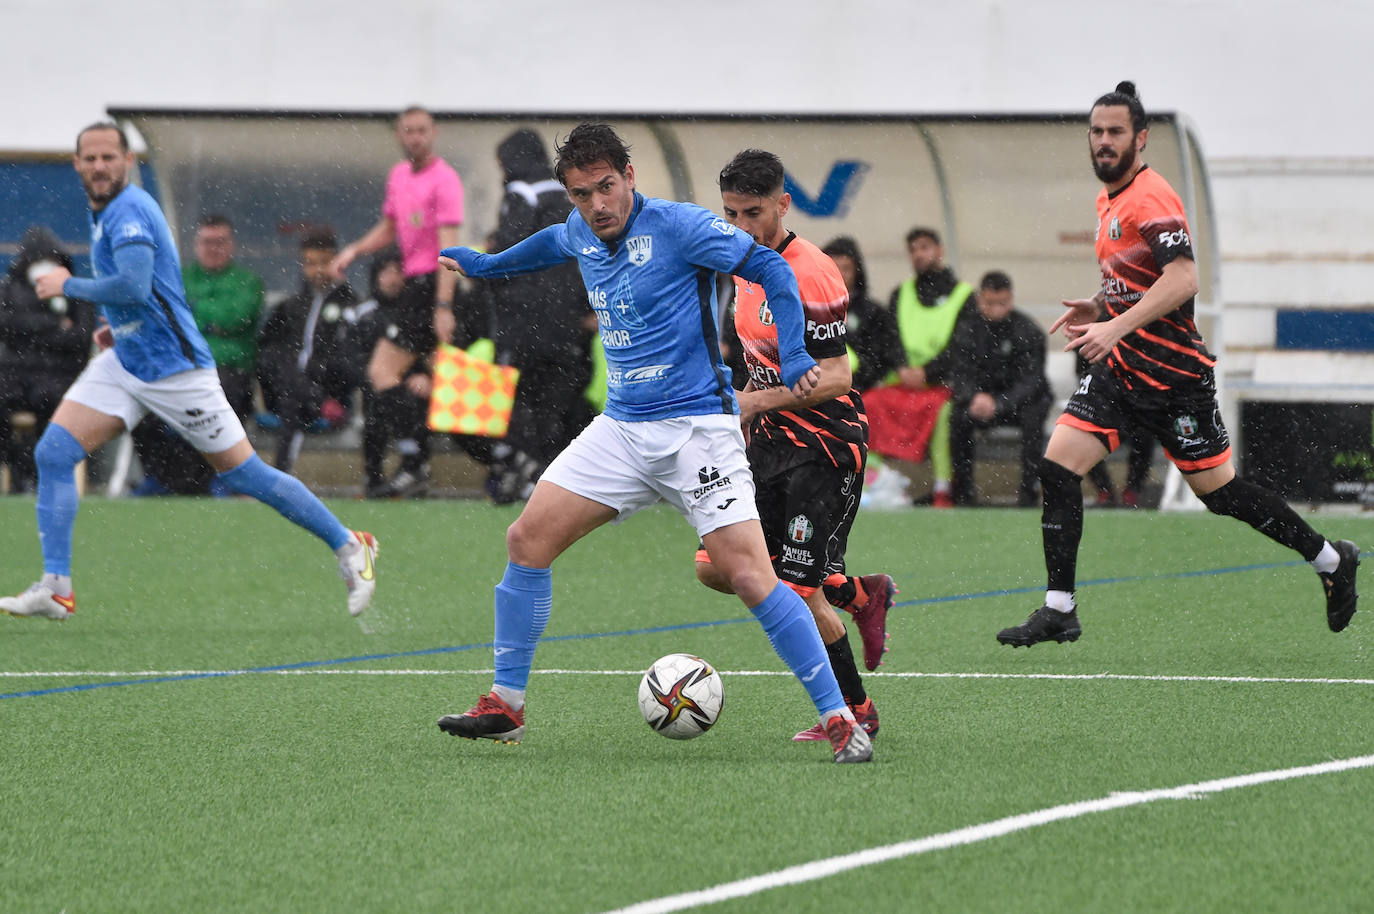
<point>681,696</point>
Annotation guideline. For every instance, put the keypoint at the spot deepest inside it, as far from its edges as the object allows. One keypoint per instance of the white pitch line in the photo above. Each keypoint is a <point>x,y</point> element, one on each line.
<point>321,671</point>
<point>820,869</point>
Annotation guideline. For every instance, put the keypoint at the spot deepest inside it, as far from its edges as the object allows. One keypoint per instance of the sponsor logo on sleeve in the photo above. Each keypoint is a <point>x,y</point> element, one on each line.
<point>828,331</point>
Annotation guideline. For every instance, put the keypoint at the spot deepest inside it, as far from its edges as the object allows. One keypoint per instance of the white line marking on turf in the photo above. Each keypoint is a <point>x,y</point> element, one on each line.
<point>319,671</point>
<point>819,869</point>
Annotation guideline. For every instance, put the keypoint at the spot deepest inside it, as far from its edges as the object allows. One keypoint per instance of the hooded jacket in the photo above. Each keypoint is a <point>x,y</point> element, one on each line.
<point>539,314</point>
<point>51,336</point>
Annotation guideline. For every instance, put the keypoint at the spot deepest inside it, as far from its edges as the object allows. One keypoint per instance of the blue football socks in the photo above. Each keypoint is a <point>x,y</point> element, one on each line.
<point>56,456</point>
<point>524,599</point>
<point>289,496</point>
<point>791,630</point>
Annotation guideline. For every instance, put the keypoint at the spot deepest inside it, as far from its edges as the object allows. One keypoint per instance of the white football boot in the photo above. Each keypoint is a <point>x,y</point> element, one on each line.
<point>359,571</point>
<point>40,600</point>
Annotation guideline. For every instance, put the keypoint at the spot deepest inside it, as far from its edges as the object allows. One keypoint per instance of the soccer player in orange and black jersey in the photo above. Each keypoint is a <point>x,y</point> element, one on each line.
<point>1141,229</point>
<point>807,454</point>
<point>1150,369</point>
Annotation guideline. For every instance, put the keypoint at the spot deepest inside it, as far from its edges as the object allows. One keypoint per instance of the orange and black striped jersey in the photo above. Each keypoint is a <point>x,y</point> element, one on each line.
<point>1140,229</point>
<point>838,428</point>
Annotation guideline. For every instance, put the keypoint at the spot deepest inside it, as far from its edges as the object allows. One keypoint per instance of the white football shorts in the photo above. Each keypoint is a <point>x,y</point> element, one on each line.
<point>192,402</point>
<point>695,463</point>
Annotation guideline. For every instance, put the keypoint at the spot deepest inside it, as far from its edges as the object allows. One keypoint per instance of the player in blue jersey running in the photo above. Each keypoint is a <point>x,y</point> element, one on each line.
<point>153,359</point>
<point>671,426</point>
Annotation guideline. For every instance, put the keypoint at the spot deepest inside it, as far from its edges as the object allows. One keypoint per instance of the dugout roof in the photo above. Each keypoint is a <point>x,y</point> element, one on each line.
<point>1010,192</point>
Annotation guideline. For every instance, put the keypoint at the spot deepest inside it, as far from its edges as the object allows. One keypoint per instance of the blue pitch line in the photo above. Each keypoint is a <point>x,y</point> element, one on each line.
<point>360,658</point>
<point>460,648</point>
<point>1210,572</point>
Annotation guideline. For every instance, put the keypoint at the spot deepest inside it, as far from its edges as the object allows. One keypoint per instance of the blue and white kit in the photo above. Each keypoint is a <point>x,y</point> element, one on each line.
<point>138,287</point>
<point>654,293</point>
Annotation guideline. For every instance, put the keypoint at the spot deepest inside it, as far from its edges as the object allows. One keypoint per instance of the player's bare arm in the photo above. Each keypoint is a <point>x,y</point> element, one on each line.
<point>1176,284</point>
<point>834,380</point>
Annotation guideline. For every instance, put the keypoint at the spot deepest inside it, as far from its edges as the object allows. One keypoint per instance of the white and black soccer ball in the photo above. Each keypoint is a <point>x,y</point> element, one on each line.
<point>681,696</point>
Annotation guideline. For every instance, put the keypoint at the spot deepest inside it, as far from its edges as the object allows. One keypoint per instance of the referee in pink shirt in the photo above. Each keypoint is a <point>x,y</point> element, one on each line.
<point>421,215</point>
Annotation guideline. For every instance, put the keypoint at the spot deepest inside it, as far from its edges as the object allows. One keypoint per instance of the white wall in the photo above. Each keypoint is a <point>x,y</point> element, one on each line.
<point>1259,77</point>
<point>1265,80</point>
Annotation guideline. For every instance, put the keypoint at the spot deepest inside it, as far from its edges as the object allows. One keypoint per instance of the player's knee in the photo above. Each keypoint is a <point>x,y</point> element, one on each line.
<point>517,540</point>
<point>526,546</point>
<point>752,585</point>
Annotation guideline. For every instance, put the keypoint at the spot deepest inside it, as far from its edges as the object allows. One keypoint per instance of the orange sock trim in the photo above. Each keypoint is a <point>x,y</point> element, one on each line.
<point>860,595</point>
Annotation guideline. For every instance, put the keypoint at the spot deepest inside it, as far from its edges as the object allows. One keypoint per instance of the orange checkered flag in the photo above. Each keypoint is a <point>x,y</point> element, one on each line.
<point>470,396</point>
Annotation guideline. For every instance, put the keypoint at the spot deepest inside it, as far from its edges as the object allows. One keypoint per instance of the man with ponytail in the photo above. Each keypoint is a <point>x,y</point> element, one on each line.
<point>1151,369</point>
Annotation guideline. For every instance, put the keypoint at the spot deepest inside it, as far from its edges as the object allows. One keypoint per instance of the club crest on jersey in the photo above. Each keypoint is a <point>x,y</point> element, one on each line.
<point>641,248</point>
<point>765,314</point>
<point>1186,426</point>
<point>1114,230</point>
<point>799,529</point>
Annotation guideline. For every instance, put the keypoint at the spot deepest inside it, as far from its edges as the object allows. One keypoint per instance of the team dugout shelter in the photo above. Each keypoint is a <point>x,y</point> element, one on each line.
<point>1012,192</point>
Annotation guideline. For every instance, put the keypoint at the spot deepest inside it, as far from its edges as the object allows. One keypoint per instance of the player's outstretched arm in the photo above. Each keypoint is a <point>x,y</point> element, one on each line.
<point>545,248</point>
<point>130,284</point>
<point>767,268</point>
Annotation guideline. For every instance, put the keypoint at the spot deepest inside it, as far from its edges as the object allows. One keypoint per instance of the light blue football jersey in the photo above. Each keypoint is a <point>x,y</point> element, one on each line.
<point>653,290</point>
<point>157,337</point>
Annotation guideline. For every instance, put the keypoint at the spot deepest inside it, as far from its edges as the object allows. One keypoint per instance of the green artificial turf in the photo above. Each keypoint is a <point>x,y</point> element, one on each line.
<point>212,732</point>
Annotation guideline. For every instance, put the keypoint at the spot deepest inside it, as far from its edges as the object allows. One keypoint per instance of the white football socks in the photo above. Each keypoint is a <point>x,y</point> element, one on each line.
<point>1059,600</point>
<point>1328,559</point>
<point>60,584</point>
<point>513,697</point>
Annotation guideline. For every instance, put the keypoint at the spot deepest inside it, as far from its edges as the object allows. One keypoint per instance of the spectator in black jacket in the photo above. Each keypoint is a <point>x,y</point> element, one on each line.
<point>540,322</point>
<point>44,344</point>
<point>871,330</point>
<point>308,363</point>
<point>998,378</point>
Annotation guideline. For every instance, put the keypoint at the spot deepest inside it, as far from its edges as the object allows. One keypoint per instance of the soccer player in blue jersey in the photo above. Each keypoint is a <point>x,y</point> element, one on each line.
<point>153,359</point>
<point>671,425</point>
